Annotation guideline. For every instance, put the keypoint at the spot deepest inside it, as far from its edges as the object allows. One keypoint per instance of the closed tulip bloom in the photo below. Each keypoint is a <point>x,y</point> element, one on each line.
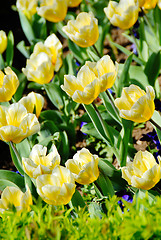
<point>74,3</point>
<point>33,102</point>
<point>123,14</point>
<point>135,104</point>
<point>84,30</point>
<point>84,166</point>
<point>28,7</point>
<point>149,4</point>
<point>39,68</point>
<point>105,71</point>
<point>159,4</point>
<point>39,162</point>
<point>53,48</point>
<point>8,84</point>
<point>53,10</point>
<point>84,88</point>
<point>144,172</point>
<point>3,41</point>
<point>56,188</point>
<point>16,123</point>
<point>13,197</point>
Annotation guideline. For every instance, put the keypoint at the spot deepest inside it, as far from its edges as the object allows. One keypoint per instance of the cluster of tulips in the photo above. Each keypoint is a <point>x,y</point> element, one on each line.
<point>56,184</point>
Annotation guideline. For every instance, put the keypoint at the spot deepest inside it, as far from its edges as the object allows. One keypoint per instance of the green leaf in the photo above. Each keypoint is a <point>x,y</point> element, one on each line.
<point>78,52</point>
<point>152,67</point>
<point>26,27</point>
<point>95,210</point>
<point>15,160</point>
<point>23,49</point>
<point>24,148</point>
<point>105,185</point>
<point>92,55</point>
<point>6,183</point>
<point>55,94</point>
<point>157,118</point>
<point>77,200</point>
<point>71,64</point>
<point>39,27</point>
<point>2,64</point>
<point>64,146</point>
<point>124,77</point>
<point>106,167</point>
<point>13,177</point>
<point>10,49</point>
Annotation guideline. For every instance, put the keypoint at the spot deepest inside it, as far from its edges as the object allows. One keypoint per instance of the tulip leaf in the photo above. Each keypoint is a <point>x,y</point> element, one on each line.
<point>124,77</point>
<point>78,52</point>
<point>64,146</point>
<point>52,114</point>
<point>26,27</point>
<point>24,148</point>
<point>152,67</point>
<point>105,185</point>
<point>10,49</point>
<point>12,177</point>
<point>71,64</point>
<point>95,210</point>
<point>55,94</point>
<point>6,183</point>
<point>92,55</point>
<point>106,167</point>
<point>2,64</point>
<point>157,119</point>
<point>22,48</point>
<point>77,200</point>
<point>113,112</point>
<point>15,160</point>
<point>39,27</point>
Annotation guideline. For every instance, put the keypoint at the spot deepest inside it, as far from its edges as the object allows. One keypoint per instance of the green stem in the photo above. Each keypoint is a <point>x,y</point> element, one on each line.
<point>148,22</point>
<point>96,50</point>
<point>112,102</point>
<point>155,124</point>
<point>16,152</point>
<point>16,159</point>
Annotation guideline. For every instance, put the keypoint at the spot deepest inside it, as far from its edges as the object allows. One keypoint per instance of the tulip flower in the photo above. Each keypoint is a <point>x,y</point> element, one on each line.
<point>13,197</point>
<point>33,101</point>
<point>3,41</point>
<point>91,79</point>
<point>53,48</point>
<point>149,4</point>
<point>39,163</point>
<point>16,123</point>
<point>123,14</point>
<point>39,68</point>
<point>56,188</point>
<point>159,4</point>
<point>135,104</point>
<point>84,30</point>
<point>144,172</point>
<point>84,166</point>
<point>8,84</point>
<point>74,3</point>
<point>28,7</point>
<point>53,10</point>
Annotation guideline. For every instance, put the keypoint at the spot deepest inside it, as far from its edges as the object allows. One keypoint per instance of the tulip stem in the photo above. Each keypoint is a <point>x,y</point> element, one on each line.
<point>155,124</point>
<point>18,163</point>
<point>112,102</point>
<point>96,50</point>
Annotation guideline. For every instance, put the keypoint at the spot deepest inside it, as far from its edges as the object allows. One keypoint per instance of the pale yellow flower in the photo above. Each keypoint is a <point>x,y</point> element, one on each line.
<point>149,4</point>
<point>8,84</point>
<point>123,14</point>
<point>33,102</point>
<point>135,104</point>
<point>84,30</point>
<point>84,166</point>
<point>28,7</point>
<point>16,124</point>
<point>39,68</point>
<point>53,48</point>
<point>3,41</point>
<point>53,10</point>
<point>13,197</point>
<point>144,172</point>
<point>39,162</point>
<point>56,188</point>
<point>159,4</point>
<point>91,79</point>
<point>74,3</point>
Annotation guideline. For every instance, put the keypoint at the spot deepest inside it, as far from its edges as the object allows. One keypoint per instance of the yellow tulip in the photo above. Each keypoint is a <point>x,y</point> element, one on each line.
<point>56,188</point>
<point>53,48</point>
<point>149,4</point>
<point>84,166</point>
<point>39,163</point>
<point>33,101</point>
<point>8,84</point>
<point>91,79</point>
<point>74,3</point>
<point>123,14</point>
<point>13,197</point>
<point>28,7</point>
<point>135,104</point>
<point>84,30</point>
<point>144,172</point>
<point>53,10</point>
<point>105,71</point>
<point>16,124</point>
<point>3,41</point>
<point>39,68</point>
<point>159,4</point>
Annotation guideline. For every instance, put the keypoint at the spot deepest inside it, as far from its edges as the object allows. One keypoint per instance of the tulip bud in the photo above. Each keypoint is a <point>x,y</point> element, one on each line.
<point>3,41</point>
<point>28,7</point>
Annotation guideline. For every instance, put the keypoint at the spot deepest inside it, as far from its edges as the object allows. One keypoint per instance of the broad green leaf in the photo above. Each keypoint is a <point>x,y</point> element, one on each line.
<point>16,160</point>
<point>55,94</point>
<point>39,27</point>
<point>78,52</point>
<point>10,49</point>
<point>157,119</point>
<point>92,55</point>
<point>77,200</point>
<point>13,177</point>
<point>2,64</point>
<point>106,167</point>
<point>71,64</point>
<point>23,49</point>
<point>6,183</point>
<point>24,148</point>
<point>105,185</point>
<point>95,210</point>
